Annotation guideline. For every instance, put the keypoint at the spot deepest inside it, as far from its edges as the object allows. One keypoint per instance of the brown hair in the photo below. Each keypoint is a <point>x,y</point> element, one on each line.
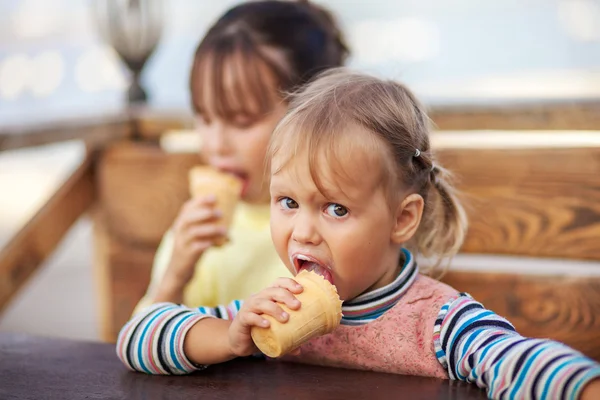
<point>259,46</point>
<point>318,123</point>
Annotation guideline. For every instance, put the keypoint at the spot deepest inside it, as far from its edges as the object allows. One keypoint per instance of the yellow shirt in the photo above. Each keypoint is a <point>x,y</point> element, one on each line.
<point>238,269</point>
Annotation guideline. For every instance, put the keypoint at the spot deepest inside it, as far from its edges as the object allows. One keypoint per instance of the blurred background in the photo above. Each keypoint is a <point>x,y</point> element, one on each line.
<point>55,64</point>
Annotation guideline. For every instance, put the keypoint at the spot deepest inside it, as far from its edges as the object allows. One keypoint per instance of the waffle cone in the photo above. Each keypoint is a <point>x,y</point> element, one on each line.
<point>320,313</point>
<point>204,181</point>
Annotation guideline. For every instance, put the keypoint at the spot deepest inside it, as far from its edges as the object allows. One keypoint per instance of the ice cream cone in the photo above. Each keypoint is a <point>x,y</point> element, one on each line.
<point>320,313</point>
<point>227,189</point>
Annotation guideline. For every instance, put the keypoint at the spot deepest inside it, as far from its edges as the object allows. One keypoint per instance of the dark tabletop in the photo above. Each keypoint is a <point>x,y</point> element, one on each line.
<point>43,368</point>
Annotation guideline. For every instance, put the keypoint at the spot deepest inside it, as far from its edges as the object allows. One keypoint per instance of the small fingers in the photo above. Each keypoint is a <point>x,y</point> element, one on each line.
<point>289,284</point>
<point>203,214</point>
<point>261,305</point>
<point>192,212</point>
<point>252,319</point>
<point>198,202</point>
<point>206,231</point>
<point>201,246</point>
<point>197,217</point>
<point>280,295</point>
<point>208,200</point>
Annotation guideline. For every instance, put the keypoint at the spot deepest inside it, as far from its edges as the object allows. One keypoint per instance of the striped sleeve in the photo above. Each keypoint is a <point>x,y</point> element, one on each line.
<point>152,341</point>
<point>477,346</point>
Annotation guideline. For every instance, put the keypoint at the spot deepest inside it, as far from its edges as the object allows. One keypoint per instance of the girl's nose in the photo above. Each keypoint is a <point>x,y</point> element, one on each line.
<point>305,230</point>
<point>218,140</point>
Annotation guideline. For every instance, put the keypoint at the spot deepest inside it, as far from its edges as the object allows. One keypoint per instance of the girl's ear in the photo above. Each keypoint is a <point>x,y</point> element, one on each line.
<point>408,217</point>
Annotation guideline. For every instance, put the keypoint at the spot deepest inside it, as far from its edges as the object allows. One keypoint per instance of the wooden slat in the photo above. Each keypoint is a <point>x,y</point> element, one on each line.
<point>142,189</point>
<point>563,308</point>
<point>531,202</point>
<point>578,115</point>
<point>121,275</point>
<point>37,240</point>
<point>582,115</point>
<point>93,130</point>
<point>151,124</point>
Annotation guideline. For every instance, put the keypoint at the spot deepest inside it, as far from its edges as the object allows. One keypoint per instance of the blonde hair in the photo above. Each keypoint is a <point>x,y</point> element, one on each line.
<point>320,116</point>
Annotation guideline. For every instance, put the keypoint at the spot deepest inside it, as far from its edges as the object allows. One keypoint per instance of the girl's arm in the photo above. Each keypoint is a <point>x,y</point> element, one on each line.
<point>192,233</point>
<point>475,345</point>
<point>169,339</point>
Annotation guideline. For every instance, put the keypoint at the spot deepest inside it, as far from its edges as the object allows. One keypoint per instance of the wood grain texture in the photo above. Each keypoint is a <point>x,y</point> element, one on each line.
<point>575,115</point>
<point>141,190</point>
<point>563,308</point>
<point>94,130</point>
<point>28,249</point>
<point>534,202</point>
<point>151,124</point>
<point>578,115</point>
<point>36,368</point>
<point>121,275</point>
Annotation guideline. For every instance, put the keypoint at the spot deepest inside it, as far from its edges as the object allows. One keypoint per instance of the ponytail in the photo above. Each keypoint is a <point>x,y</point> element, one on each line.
<point>325,108</point>
<point>444,222</point>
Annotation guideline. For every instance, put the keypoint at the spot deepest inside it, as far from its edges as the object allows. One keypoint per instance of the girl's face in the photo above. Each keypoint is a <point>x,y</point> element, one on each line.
<point>344,231</point>
<point>238,106</point>
<point>238,147</point>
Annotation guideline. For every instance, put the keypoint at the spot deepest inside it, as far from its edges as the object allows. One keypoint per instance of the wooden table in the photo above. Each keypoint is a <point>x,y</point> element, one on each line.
<point>35,368</point>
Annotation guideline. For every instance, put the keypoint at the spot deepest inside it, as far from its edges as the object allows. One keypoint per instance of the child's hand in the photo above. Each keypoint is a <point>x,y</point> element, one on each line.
<point>264,302</point>
<point>194,230</point>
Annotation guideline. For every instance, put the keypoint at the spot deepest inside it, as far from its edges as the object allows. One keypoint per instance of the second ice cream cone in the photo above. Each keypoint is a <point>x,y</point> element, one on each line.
<point>204,181</point>
<point>320,313</point>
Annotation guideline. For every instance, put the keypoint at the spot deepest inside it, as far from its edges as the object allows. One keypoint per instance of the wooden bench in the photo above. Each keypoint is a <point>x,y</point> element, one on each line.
<point>542,200</point>
<point>528,198</point>
<point>537,200</point>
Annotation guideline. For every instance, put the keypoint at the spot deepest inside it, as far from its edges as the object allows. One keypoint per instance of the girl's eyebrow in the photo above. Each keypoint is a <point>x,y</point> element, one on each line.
<point>338,198</point>
<point>281,189</point>
<point>333,193</point>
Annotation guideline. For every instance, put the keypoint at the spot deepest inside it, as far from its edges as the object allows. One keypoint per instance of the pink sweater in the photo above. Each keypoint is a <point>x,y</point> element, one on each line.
<point>429,322</point>
<point>399,342</point>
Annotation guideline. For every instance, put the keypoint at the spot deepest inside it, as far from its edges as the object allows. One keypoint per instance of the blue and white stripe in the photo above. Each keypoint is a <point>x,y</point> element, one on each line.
<point>477,346</point>
<point>471,343</point>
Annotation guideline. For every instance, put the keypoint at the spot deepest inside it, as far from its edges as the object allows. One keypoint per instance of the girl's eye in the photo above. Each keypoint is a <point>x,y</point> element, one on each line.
<point>288,203</point>
<point>337,210</point>
<point>243,121</point>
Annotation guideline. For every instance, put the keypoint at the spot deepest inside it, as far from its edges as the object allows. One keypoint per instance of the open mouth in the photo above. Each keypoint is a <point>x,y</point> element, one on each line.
<point>242,176</point>
<point>307,263</point>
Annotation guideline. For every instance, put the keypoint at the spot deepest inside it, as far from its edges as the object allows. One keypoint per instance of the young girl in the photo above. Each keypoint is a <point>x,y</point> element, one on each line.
<point>354,188</point>
<point>252,55</point>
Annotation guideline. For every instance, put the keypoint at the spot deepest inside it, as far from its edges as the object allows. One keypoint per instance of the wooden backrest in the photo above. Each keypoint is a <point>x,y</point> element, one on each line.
<point>537,202</point>
<point>528,194</point>
<point>532,195</point>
